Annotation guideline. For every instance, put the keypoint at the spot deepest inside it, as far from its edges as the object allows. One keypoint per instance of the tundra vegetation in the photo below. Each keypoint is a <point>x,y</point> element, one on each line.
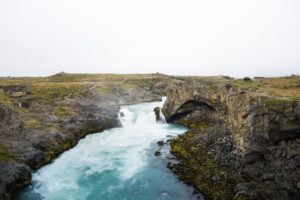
<point>40,117</point>
<point>243,140</point>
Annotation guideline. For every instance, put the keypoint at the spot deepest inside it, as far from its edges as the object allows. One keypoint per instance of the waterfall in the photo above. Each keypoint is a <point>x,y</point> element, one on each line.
<point>116,164</point>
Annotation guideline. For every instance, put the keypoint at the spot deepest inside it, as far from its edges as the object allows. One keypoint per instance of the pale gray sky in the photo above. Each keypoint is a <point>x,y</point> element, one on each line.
<point>190,37</point>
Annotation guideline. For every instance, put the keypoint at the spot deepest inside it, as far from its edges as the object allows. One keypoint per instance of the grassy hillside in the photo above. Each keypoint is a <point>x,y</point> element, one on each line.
<point>49,89</point>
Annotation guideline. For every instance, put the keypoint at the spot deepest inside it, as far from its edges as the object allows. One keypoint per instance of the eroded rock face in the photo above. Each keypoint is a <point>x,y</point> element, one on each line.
<point>10,122</point>
<point>34,134</point>
<point>23,149</point>
<point>245,140</point>
<point>15,175</point>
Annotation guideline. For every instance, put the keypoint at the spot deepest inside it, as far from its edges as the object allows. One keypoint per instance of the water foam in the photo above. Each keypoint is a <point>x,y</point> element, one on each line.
<point>115,164</point>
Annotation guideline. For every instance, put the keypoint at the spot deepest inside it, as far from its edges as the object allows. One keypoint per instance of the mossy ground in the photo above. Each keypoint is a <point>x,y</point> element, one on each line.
<point>48,93</point>
<point>9,101</point>
<point>5,155</point>
<point>32,122</point>
<point>62,111</point>
<point>240,83</point>
<point>44,96</point>
<point>279,104</point>
<point>199,167</point>
<point>50,89</point>
<point>288,87</point>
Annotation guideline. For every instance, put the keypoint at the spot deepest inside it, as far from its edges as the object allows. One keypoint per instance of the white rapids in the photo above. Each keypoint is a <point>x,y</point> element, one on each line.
<point>116,164</point>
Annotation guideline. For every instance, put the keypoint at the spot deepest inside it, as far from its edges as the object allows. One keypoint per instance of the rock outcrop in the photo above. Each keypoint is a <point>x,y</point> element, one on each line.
<point>158,116</point>
<point>42,117</point>
<point>241,143</point>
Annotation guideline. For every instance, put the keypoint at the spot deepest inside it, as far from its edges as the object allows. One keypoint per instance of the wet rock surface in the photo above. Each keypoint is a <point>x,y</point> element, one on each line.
<point>157,113</point>
<point>160,143</point>
<point>40,120</point>
<point>241,144</point>
<point>157,153</point>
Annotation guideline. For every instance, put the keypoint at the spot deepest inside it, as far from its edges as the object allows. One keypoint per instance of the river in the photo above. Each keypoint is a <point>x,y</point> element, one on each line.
<point>116,164</point>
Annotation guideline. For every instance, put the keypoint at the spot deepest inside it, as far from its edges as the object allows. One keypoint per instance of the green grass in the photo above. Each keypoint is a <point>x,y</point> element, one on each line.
<point>279,104</point>
<point>31,123</point>
<point>129,87</point>
<point>48,90</point>
<point>95,77</point>
<point>246,84</point>
<point>5,100</point>
<point>5,155</point>
<point>35,123</point>
<point>103,90</point>
<point>282,87</point>
<point>63,111</point>
<point>195,160</point>
<point>48,93</point>
<point>288,87</point>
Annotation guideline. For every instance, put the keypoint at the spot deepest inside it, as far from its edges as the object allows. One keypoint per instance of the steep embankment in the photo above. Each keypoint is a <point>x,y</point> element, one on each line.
<point>243,140</point>
<point>42,117</point>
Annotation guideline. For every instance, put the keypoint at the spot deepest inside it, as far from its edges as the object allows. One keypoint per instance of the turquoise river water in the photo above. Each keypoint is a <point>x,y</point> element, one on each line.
<point>116,164</point>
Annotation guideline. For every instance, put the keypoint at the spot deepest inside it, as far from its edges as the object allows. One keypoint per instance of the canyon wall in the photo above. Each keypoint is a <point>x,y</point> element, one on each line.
<point>242,143</point>
<point>40,118</point>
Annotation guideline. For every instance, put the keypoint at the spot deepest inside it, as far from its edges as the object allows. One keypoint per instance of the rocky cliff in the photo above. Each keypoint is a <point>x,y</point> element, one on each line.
<point>42,117</point>
<point>243,140</point>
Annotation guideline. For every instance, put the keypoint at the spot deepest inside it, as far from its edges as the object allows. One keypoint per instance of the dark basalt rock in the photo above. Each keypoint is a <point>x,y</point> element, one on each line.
<point>34,131</point>
<point>247,79</point>
<point>157,113</point>
<point>15,175</point>
<point>251,139</point>
<point>157,153</point>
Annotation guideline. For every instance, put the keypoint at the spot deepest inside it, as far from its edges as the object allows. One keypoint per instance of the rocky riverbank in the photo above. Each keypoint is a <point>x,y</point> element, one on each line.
<point>243,140</point>
<point>42,117</point>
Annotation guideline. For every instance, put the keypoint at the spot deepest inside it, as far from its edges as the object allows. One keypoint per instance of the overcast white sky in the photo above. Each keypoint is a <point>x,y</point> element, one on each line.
<point>185,37</point>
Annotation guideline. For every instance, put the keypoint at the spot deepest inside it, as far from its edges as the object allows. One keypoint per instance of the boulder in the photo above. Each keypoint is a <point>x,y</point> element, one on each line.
<point>157,114</point>
<point>157,153</point>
